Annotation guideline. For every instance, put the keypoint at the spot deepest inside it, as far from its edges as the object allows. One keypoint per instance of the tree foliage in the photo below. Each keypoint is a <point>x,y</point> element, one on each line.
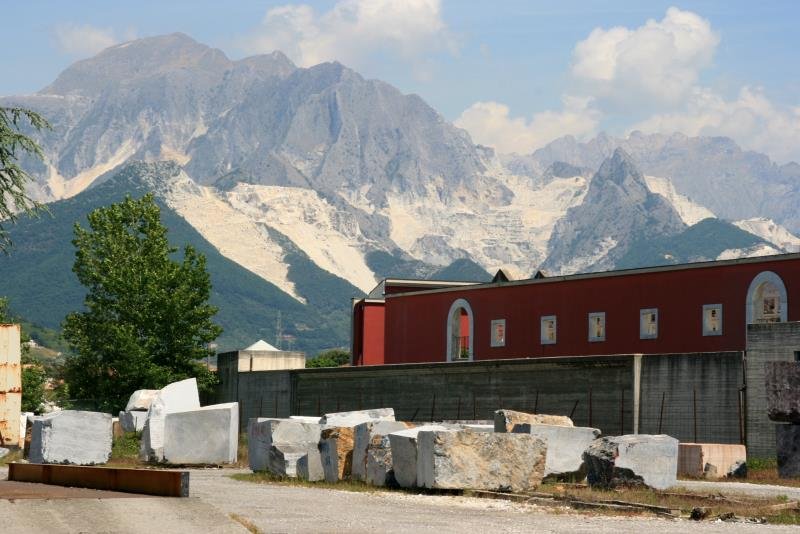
<point>147,321</point>
<point>330,358</point>
<point>13,143</point>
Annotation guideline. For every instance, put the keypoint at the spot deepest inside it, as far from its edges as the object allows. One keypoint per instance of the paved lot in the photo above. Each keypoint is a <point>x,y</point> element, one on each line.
<point>216,497</point>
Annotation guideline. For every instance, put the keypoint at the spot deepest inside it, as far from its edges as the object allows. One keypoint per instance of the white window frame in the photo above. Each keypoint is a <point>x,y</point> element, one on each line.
<point>642,333</point>
<point>592,317</point>
<point>542,320</point>
<point>495,342</point>
<point>708,308</point>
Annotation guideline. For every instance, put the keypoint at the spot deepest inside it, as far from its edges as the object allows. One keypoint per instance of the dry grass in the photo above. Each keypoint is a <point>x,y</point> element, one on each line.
<point>712,506</point>
<point>246,523</point>
<point>13,456</point>
<point>264,477</point>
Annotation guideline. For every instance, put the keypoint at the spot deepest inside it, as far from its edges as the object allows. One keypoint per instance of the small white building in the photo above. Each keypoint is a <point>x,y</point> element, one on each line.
<point>261,356</point>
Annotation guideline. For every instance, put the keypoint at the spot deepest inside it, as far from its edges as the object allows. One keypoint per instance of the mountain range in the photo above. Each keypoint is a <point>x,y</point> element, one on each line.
<point>305,186</point>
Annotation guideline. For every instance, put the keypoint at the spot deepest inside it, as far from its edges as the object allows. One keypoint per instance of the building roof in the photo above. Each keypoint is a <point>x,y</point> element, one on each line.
<point>607,274</point>
<point>261,345</point>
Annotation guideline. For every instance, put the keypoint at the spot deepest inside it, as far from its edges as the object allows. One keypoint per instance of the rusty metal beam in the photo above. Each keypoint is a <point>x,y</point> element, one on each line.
<point>161,482</point>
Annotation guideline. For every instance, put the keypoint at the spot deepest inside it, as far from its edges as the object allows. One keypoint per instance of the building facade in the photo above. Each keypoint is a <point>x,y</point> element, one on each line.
<point>692,308</point>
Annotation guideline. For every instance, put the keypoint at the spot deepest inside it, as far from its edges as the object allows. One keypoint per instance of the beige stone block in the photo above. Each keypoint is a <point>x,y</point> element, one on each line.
<point>509,420</point>
<point>710,460</point>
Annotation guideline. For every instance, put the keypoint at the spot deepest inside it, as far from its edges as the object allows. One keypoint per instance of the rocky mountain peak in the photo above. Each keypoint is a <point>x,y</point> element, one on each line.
<point>136,60</point>
<point>621,170</point>
<point>618,209</point>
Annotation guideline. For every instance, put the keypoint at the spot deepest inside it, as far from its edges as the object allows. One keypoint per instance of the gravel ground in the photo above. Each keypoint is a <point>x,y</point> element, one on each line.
<point>298,509</point>
<point>216,498</point>
<point>742,488</point>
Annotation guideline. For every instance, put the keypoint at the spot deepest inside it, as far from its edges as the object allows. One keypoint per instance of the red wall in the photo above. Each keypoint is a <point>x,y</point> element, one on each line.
<point>416,325</point>
<point>369,328</point>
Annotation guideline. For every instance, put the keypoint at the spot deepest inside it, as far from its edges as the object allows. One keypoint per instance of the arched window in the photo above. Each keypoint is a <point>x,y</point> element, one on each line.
<point>766,299</point>
<point>460,327</point>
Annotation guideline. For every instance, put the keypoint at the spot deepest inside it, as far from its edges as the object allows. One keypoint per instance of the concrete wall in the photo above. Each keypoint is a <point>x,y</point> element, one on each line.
<point>474,390</point>
<point>765,342</point>
<point>701,396</point>
<point>561,386</point>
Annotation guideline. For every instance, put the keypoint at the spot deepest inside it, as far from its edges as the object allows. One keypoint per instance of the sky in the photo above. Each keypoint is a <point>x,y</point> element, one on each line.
<point>515,74</point>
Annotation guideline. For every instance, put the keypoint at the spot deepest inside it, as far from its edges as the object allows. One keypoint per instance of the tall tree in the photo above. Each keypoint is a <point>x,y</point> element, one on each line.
<point>147,320</point>
<point>14,198</point>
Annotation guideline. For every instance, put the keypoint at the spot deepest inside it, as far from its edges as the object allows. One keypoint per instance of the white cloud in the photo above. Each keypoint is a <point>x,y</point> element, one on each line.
<point>352,30</point>
<point>490,123</point>
<point>751,119</point>
<point>84,40</point>
<point>658,62</point>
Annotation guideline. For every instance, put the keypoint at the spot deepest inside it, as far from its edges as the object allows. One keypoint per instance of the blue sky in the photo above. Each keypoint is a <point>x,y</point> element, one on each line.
<point>515,74</point>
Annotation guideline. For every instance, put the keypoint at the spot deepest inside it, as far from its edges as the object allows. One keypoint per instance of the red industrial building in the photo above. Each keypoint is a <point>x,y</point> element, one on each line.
<point>698,307</point>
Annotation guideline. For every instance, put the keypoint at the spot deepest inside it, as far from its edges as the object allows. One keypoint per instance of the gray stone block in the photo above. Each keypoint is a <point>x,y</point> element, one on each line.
<point>141,399</point>
<point>132,421</point>
<point>356,417</point>
<point>179,396</point>
<point>71,437</point>
<point>641,459</point>
<point>782,381</point>
<point>282,459</point>
<point>450,459</point>
<point>404,454</point>
<point>207,435</point>
<point>309,466</point>
<point>262,433</point>
<point>364,433</point>
<point>787,439</point>
<point>565,446</point>
<point>379,468</point>
<point>507,420</point>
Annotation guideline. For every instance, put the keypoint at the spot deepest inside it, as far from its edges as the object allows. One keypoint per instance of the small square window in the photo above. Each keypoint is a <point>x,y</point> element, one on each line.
<point>648,323</point>
<point>548,330</point>
<point>499,333</point>
<point>597,326</point>
<point>712,320</point>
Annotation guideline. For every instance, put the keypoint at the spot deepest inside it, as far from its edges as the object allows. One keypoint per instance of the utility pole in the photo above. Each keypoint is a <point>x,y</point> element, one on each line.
<point>278,332</point>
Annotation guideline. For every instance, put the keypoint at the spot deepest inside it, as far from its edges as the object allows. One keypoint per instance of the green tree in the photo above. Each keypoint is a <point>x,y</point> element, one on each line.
<point>329,358</point>
<point>147,321</point>
<point>13,179</point>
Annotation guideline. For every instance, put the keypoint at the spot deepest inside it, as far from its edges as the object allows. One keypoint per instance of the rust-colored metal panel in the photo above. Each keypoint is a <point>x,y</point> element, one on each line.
<point>10,385</point>
<point>164,483</point>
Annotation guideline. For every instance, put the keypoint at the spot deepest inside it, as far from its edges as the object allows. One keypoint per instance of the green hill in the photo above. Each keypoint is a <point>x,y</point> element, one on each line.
<point>37,278</point>
<point>703,241</point>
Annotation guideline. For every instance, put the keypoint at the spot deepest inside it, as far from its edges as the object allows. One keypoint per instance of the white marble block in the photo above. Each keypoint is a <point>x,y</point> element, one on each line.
<point>141,399</point>
<point>176,397</point>
<point>356,417</point>
<point>71,437</point>
<point>207,435</point>
<point>634,459</point>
